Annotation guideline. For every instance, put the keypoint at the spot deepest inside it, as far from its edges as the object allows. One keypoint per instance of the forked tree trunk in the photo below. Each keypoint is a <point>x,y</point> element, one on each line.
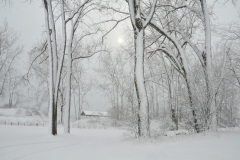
<point>139,25</point>
<point>69,73</point>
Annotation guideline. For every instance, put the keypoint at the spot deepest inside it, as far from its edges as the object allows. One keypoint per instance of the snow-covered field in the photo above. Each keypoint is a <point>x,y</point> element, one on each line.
<point>33,143</point>
<point>22,116</point>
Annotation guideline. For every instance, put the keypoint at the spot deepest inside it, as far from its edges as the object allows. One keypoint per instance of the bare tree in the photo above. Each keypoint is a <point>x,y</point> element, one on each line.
<point>139,26</point>
<point>10,51</point>
<point>76,15</point>
<point>115,81</point>
<point>81,86</point>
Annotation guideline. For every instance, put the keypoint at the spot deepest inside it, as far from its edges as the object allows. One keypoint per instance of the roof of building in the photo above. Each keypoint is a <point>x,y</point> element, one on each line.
<point>94,113</point>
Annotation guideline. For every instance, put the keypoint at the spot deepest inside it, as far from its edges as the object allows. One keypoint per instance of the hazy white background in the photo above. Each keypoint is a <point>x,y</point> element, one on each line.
<point>27,19</point>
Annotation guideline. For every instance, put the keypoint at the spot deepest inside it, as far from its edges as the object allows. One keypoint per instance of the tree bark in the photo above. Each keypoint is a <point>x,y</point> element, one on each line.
<point>68,92</point>
<point>139,25</point>
<point>143,107</point>
<point>51,113</point>
<point>207,56</point>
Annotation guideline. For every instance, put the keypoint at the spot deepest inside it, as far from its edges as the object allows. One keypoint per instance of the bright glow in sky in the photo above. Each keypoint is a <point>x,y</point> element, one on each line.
<point>120,40</point>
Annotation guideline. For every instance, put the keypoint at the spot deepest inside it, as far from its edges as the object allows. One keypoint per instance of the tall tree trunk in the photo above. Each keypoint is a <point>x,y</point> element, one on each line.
<point>68,93</point>
<point>176,101</point>
<point>54,69</point>
<point>54,43</point>
<point>68,82</point>
<point>189,88</point>
<point>139,25</point>
<point>51,116</point>
<point>69,73</point>
<point>143,107</point>
<point>61,112</point>
<point>195,122</point>
<point>207,56</point>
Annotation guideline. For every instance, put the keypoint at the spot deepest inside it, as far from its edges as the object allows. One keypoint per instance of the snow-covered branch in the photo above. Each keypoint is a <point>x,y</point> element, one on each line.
<point>115,25</point>
<point>152,11</point>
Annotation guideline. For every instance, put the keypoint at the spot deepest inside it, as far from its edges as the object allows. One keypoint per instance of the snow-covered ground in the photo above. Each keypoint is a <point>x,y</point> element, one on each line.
<point>33,143</point>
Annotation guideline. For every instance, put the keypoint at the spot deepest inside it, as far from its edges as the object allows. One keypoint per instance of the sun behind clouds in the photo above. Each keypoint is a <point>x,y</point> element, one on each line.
<point>120,40</point>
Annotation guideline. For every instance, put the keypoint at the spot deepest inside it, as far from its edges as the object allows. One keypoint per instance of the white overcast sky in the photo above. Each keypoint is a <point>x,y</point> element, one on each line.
<point>28,20</point>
